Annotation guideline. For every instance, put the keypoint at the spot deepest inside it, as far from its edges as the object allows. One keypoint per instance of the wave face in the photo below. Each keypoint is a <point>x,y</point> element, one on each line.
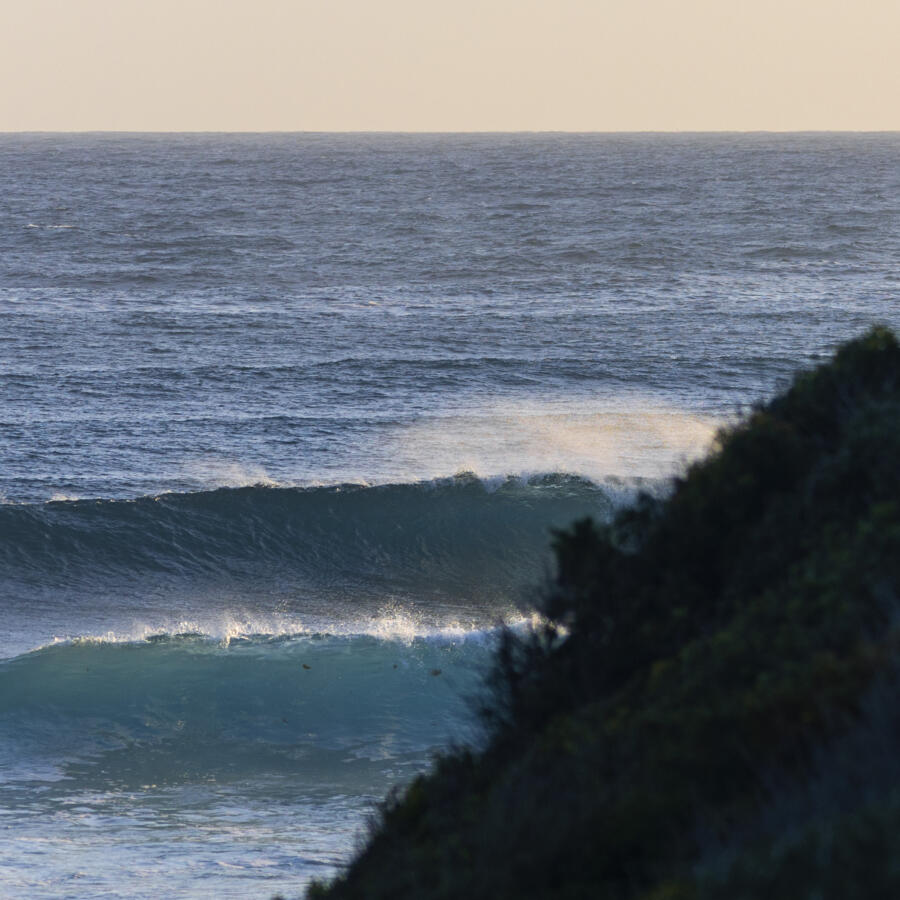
<point>370,683</point>
<point>447,533</point>
<point>177,708</point>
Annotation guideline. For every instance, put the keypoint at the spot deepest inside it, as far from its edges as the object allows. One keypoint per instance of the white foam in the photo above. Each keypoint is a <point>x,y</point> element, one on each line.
<point>391,624</point>
<point>215,472</point>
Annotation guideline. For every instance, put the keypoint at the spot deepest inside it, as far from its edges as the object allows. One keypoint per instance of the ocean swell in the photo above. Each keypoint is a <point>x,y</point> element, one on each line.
<point>176,707</point>
<point>446,533</point>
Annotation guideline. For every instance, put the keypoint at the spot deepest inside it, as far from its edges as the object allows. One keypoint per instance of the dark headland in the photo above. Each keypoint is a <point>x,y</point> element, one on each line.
<point>712,708</point>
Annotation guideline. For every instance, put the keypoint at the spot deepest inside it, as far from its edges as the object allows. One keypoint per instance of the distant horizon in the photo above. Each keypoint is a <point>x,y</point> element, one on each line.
<point>521,131</point>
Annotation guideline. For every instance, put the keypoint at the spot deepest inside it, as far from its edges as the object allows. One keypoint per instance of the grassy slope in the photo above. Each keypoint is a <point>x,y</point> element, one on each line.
<point>674,745</point>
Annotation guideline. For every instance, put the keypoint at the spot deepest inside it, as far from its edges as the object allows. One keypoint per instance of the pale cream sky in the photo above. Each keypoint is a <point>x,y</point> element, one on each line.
<point>430,65</point>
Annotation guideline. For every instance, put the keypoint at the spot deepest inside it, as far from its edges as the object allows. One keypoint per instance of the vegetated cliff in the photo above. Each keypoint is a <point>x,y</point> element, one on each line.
<point>722,719</point>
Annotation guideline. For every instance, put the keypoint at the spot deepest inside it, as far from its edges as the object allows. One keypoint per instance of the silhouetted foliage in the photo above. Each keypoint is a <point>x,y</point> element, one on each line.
<point>696,651</point>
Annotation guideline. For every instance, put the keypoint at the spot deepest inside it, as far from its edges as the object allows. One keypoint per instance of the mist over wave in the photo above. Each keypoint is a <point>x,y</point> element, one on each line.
<point>626,435</point>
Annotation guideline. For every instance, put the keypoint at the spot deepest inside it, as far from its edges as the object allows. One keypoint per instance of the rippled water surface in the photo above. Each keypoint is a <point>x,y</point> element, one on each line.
<point>285,421</point>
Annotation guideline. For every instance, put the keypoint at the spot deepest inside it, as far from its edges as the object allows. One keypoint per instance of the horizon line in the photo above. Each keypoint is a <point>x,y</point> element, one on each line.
<point>516,131</point>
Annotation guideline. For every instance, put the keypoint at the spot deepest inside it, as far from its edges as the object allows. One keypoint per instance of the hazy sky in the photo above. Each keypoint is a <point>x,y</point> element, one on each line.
<point>459,65</point>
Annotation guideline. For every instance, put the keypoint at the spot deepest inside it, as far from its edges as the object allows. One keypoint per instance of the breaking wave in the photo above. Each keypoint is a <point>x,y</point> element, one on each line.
<point>175,707</point>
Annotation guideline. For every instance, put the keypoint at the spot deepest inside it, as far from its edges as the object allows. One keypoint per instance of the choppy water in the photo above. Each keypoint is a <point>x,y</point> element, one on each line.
<point>285,421</point>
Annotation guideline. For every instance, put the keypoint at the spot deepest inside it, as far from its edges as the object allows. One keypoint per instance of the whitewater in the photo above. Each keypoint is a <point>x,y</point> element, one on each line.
<point>287,423</point>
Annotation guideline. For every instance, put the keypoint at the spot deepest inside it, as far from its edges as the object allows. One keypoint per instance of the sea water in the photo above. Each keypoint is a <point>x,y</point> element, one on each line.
<point>286,422</point>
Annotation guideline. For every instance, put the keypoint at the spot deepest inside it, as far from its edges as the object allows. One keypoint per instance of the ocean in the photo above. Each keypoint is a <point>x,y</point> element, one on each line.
<point>287,421</point>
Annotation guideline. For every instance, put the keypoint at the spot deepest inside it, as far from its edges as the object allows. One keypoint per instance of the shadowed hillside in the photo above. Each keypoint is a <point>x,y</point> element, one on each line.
<point>710,710</point>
